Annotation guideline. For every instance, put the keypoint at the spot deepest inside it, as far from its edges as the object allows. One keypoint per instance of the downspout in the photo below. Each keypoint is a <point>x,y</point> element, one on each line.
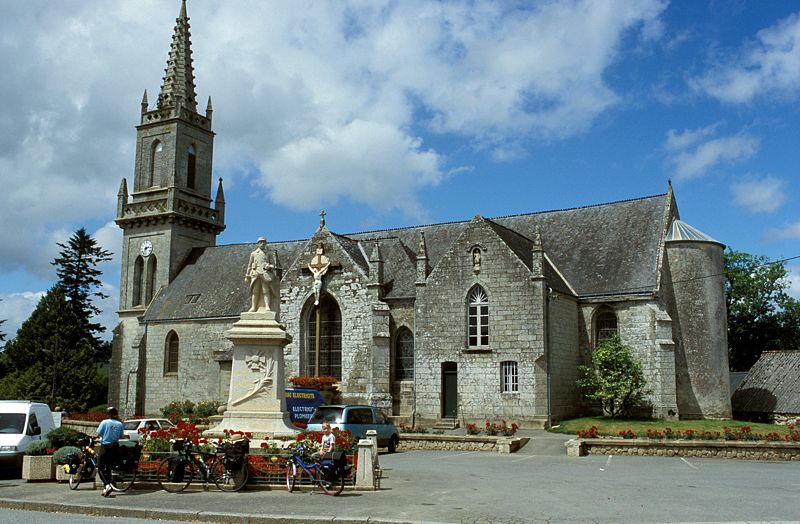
<point>414,401</point>
<point>546,336</point>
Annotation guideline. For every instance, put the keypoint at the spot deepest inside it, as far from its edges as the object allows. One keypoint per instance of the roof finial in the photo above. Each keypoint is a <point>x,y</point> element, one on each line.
<point>145,103</point>
<point>322,219</point>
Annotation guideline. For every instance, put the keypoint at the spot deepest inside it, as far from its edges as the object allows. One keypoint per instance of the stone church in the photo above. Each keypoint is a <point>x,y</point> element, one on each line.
<point>484,319</point>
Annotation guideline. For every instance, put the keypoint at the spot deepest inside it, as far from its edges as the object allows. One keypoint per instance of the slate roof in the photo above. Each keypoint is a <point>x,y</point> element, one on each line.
<point>602,249</point>
<point>771,386</point>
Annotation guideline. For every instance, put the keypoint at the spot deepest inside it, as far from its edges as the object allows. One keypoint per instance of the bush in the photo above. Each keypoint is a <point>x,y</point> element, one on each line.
<point>39,447</point>
<point>63,436</point>
<point>186,410</point>
<point>615,378</point>
<point>60,456</point>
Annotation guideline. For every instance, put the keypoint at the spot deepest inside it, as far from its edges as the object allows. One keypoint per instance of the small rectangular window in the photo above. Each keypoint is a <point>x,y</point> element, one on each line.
<point>509,382</point>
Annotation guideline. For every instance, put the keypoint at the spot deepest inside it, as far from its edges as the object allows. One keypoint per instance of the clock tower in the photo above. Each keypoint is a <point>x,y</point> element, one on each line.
<point>170,211</point>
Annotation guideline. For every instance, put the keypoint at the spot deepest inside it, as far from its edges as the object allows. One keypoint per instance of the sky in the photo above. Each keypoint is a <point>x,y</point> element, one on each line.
<point>393,114</point>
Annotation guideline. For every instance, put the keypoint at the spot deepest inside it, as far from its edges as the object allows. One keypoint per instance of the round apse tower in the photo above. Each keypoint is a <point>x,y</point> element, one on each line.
<point>696,281</point>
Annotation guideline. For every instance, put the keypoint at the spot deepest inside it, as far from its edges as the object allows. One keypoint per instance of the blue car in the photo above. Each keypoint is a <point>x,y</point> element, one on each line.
<point>358,420</point>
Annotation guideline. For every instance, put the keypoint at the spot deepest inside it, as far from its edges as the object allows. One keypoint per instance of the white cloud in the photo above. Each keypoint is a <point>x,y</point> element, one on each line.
<point>694,153</point>
<point>790,231</point>
<point>15,309</point>
<point>770,64</point>
<point>763,195</point>
<point>330,100</point>
<point>794,281</point>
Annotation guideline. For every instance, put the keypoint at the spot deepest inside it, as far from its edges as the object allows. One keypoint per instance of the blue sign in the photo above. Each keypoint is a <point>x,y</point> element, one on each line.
<point>301,403</point>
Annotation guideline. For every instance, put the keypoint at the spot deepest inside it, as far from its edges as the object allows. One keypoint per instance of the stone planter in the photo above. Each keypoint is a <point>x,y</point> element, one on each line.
<point>61,475</point>
<point>38,467</point>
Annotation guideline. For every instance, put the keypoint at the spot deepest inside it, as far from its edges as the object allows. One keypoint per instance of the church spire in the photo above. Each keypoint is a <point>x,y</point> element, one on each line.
<point>178,89</point>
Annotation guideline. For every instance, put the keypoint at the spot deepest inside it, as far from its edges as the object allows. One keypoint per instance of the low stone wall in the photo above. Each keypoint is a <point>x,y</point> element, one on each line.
<point>422,441</point>
<point>736,449</point>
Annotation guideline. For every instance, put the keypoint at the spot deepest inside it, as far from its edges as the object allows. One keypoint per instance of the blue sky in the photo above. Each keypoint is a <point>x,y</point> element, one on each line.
<point>391,114</point>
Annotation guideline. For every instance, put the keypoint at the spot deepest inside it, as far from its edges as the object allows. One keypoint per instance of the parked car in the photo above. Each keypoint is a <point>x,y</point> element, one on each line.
<point>358,420</point>
<point>137,427</point>
<point>21,421</point>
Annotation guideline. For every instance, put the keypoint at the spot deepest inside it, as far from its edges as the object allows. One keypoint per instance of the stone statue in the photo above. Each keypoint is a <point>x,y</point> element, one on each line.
<point>318,273</point>
<point>262,278</point>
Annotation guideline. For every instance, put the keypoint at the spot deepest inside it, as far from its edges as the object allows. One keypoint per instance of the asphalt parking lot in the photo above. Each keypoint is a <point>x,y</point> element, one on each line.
<point>538,484</point>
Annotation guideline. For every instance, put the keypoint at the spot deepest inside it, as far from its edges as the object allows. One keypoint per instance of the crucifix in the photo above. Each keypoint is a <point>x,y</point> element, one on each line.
<point>319,266</point>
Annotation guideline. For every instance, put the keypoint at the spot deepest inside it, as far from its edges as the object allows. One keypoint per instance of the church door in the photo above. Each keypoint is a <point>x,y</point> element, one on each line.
<point>449,390</point>
<point>324,339</point>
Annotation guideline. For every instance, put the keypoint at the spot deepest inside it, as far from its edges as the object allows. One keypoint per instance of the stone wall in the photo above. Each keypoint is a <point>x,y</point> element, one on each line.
<point>441,325</point>
<point>564,356</point>
<point>417,441</point>
<point>748,450</point>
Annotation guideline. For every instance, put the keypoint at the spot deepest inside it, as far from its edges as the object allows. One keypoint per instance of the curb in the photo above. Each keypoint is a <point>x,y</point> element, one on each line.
<point>191,516</point>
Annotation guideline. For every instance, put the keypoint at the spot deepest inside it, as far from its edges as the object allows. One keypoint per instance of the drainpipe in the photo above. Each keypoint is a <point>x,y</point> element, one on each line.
<point>546,335</point>
<point>414,408</point>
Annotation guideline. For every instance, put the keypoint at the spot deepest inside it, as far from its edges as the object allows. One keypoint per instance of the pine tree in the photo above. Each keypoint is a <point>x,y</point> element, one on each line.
<point>51,357</point>
<point>78,276</point>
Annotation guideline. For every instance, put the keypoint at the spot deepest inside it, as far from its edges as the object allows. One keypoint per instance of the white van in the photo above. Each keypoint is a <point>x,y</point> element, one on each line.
<point>21,421</point>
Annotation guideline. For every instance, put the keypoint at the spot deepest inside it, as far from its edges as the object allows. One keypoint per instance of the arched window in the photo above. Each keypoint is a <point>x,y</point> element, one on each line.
<point>191,166</point>
<point>138,273</point>
<point>171,353</point>
<point>152,266</point>
<point>325,320</point>
<point>605,325</point>
<point>509,379</point>
<point>478,318</point>
<point>155,154</point>
<point>404,355</point>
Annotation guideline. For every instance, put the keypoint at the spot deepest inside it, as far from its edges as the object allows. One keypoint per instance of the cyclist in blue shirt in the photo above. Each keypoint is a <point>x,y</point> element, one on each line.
<point>109,432</point>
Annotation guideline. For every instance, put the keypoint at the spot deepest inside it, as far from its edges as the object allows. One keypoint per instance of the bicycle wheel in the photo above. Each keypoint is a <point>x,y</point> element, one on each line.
<point>174,474</point>
<point>76,478</point>
<point>291,476</point>
<point>330,488</point>
<point>122,480</point>
<point>230,479</point>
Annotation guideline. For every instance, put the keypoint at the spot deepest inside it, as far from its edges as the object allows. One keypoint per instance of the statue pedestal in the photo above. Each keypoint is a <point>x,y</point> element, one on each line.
<point>257,398</point>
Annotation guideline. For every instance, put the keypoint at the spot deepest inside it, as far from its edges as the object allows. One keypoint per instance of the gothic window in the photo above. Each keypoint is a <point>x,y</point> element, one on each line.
<point>191,166</point>
<point>325,319</point>
<point>155,154</point>
<point>478,318</point>
<point>171,353</point>
<point>509,379</point>
<point>138,273</point>
<point>404,355</point>
<point>605,325</point>
<point>150,283</point>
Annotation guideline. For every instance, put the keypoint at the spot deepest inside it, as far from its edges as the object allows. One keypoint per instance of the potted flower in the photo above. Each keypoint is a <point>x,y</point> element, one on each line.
<point>60,458</point>
<point>325,384</point>
<point>37,464</point>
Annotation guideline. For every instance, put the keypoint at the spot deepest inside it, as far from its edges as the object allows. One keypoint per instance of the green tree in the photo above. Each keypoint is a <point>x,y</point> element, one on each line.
<point>761,315</point>
<point>51,357</point>
<point>615,378</point>
<point>79,277</point>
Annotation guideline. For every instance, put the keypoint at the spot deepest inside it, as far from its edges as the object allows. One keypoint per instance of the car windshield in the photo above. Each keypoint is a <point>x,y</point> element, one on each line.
<point>12,423</point>
<point>131,424</point>
<point>325,414</point>
<point>166,424</point>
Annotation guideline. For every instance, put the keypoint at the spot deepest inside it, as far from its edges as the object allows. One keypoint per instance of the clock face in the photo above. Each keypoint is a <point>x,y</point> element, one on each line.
<point>146,249</point>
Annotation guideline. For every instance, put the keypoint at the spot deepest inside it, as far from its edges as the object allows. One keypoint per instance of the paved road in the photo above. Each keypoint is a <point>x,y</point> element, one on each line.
<point>538,484</point>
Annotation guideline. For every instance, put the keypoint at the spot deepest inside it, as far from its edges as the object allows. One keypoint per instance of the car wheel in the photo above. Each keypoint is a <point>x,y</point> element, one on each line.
<point>393,442</point>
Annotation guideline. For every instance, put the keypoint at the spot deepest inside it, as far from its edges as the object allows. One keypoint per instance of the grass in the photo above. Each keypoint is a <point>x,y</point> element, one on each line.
<point>611,427</point>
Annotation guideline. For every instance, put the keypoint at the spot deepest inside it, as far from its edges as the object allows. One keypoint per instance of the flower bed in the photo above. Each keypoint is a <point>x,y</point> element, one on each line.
<point>735,449</point>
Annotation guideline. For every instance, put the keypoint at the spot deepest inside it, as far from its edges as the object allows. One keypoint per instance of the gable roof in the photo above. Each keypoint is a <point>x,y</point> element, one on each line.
<point>604,249</point>
<point>771,386</point>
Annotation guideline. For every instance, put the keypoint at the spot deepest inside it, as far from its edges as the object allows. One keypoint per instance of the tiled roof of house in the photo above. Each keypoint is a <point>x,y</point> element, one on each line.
<point>604,249</point>
<point>771,386</point>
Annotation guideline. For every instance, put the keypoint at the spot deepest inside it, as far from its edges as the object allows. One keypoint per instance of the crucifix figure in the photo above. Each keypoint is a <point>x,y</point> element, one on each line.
<point>318,267</point>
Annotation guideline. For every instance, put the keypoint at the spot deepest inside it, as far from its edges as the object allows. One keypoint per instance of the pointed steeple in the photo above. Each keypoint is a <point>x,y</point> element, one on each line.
<point>145,103</point>
<point>209,109</point>
<point>178,89</point>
